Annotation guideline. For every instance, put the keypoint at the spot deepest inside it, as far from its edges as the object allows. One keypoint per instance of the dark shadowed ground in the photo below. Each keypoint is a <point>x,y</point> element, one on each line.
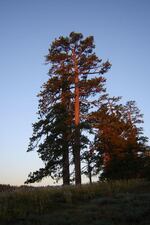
<point>116,203</point>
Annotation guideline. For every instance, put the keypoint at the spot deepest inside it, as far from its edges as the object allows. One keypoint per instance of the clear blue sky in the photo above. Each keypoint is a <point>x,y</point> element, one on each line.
<point>27,27</point>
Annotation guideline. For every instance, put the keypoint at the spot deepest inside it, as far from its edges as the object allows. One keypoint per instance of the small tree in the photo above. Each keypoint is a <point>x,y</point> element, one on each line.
<point>88,159</point>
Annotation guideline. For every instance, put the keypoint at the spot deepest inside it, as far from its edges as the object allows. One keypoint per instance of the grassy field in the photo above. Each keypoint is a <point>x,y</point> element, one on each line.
<point>113,203</point>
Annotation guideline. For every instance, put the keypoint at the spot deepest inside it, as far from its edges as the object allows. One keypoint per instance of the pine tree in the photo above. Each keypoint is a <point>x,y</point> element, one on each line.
<point>72,63</point>
<point>74,57</point>
<point>51,134</point>
<point>119,139</point>
<point>51,140</point>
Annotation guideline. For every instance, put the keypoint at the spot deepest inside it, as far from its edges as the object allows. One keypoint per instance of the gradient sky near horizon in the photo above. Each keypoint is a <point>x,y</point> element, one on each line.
<point>27,27</point>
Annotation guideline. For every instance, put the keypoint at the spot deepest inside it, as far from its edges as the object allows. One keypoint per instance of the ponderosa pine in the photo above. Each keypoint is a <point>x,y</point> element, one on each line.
<point>75,79</point>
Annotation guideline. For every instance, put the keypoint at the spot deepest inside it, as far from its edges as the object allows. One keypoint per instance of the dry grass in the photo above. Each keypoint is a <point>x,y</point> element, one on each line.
<point>119,202</point>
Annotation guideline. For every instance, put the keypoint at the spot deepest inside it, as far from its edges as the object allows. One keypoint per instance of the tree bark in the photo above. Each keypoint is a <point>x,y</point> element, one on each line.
<point>66,172</point>
<point>77,121</point>
<point>66,169</point>
<point>77,156</point>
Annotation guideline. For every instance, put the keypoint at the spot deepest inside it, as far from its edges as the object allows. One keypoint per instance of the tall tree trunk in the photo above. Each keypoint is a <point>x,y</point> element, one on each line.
<point>77,156</point>
<point>66,172</point>
<point>77,121</point>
